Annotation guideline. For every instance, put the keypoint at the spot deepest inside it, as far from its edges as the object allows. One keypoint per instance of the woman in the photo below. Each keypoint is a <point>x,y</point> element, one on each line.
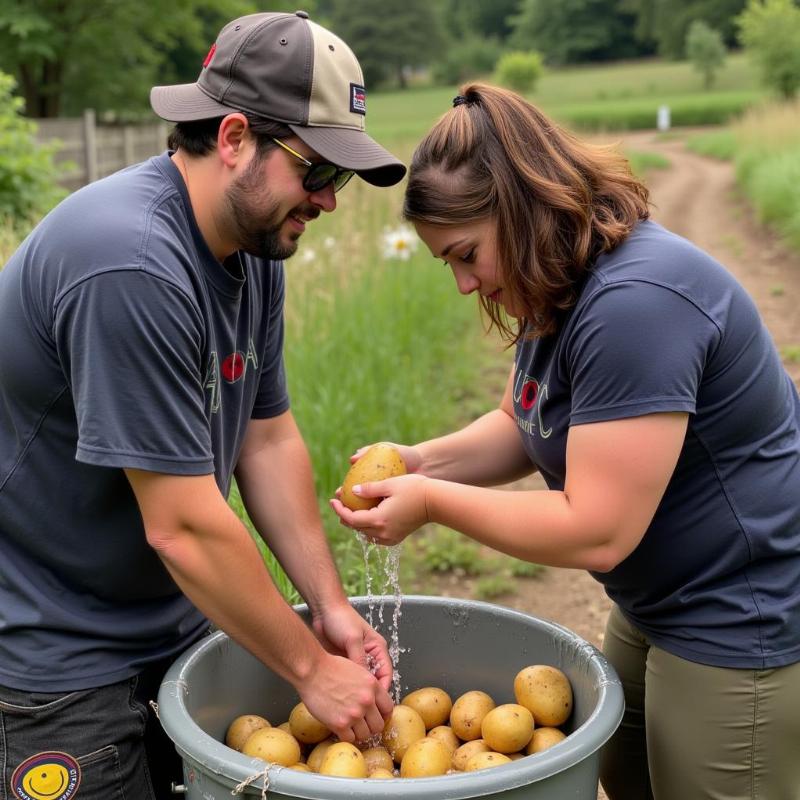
<point>648,393</point>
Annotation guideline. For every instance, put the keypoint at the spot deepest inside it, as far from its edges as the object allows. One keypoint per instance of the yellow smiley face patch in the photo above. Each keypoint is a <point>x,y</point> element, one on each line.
<point>47,776</point>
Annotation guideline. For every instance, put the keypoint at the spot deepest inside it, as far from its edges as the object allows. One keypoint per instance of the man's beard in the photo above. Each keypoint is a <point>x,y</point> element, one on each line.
<point>254,216</point>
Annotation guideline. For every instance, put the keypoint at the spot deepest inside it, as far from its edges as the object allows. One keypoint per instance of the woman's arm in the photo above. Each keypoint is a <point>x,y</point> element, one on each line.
<point>617,473</point>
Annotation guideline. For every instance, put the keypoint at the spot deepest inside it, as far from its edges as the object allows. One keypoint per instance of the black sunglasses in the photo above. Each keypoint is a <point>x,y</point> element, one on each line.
<point>321,174</point>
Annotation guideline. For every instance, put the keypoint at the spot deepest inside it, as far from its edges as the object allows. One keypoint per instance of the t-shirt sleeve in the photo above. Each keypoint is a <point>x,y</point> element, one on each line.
<point>130,346</point>
<point>637,348</point>
<point>272,397</point>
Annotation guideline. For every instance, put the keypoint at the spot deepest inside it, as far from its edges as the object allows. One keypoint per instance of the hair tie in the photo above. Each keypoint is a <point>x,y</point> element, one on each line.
<point>459,100</point>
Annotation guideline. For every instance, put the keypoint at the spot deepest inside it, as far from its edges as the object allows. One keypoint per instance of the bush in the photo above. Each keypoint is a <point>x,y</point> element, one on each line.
<point>706,50</point>
<point>770,32</point>
<point>519,71</point>
<point>28,186</point>
<point>467,59</point>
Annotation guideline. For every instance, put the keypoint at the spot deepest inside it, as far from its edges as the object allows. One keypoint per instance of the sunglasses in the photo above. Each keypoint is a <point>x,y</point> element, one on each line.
<point>321,174</point>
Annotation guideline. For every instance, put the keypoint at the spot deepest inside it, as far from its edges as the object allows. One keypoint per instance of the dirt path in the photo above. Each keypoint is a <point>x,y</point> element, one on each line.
<point>696,198</point>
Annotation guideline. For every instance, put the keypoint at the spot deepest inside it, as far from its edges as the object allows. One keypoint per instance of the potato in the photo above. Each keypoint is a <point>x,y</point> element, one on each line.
<point>433,704</point>
<point>381,461</point>
<point>377,758</point>
<point>301,767</point>
<point>546,692</point>
<point>381,774</point>
<point>485,760</point>
<point>468,713</point>
<point>466,751</point>
<point>444,733</point>
<point>315,757</point>
<point>274,746</point>
<point>507,728</point>
<point>344,760</point>
<point>424,759</point>
<point>543,738</point>
<point>403,727</point>
<point>306,728</point>
<point>242,727</point>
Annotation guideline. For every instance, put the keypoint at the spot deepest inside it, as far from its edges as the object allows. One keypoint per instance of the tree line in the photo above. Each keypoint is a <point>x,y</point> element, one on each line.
<point>106,54</point>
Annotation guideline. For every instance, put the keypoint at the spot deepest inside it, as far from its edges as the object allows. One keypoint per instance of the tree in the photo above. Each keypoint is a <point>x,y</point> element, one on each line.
<point>770,32</point>
<point>388,36</point>
<point>104,54</point>
<point>706,50</point>
<point>519,71</point>
<point>28,176</point>
<point>572,31</point>
<point>666,22</point>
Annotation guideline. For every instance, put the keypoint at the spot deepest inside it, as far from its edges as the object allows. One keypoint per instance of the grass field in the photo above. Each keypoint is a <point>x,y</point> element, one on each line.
<point>379,348</point>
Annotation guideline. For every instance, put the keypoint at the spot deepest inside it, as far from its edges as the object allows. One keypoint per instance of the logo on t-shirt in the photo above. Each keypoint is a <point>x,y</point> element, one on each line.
<point>529,394</point>
<point>46,776</point>
<point>232,369</point>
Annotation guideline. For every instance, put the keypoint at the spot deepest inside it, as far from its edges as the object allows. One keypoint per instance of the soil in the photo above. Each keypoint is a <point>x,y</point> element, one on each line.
<point>695,197</point>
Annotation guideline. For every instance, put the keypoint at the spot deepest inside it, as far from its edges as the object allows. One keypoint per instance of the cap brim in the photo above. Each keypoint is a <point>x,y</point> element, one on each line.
<point>353,149</point>
<point>185,102</point>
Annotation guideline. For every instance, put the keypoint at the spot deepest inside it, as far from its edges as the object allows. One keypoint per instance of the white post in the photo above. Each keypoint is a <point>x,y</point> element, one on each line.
<point>663,118</point>
<point>90,144</point>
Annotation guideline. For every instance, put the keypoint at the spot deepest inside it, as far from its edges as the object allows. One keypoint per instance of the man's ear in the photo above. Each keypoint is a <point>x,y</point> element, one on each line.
<point>231,138</point>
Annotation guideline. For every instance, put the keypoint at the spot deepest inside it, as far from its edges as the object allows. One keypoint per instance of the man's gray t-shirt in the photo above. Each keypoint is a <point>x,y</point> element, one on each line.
<point>662,327</point>
<point>123,344</point>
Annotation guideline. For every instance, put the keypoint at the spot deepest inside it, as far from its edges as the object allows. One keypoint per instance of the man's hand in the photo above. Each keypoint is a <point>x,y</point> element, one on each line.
<point>343,632</point>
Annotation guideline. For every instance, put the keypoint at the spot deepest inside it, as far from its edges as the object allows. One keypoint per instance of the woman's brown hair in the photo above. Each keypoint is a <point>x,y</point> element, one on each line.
<point>558,203</point>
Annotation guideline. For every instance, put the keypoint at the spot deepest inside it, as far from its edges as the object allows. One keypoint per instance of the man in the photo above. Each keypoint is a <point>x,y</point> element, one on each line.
<point>141,332</point>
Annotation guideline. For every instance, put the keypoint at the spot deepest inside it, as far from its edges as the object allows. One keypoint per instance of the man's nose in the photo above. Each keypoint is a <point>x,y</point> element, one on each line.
<point>324,198</point>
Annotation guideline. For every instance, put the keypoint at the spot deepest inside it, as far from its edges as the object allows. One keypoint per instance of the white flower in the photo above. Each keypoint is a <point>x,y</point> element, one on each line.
<point>329,242</point>
<point>307,256</point>
<point>402,243</point>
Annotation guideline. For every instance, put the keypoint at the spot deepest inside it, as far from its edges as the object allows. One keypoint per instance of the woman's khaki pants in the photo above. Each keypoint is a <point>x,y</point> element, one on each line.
<point>694,732</point>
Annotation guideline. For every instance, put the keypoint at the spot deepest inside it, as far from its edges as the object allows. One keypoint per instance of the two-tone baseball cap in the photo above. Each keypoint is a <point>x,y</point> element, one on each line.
<point>288,69</point>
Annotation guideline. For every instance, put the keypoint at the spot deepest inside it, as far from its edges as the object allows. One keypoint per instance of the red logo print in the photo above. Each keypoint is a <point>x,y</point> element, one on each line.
<point>530,391</point>
<point>233,367</point>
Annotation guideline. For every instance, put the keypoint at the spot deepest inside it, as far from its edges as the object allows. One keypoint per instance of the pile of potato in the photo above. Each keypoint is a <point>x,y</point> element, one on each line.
<point>426,735</point>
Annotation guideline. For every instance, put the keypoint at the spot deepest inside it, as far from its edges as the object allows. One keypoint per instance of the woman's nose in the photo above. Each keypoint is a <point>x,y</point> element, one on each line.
<point>466,282</point>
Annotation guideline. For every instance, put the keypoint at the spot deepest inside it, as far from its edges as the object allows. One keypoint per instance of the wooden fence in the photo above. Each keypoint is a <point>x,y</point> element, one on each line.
<point>91,150</point>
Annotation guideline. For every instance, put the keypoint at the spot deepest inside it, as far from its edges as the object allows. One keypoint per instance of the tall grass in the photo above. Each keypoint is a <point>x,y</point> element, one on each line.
<point>767,164</point>
<point>376,349</point>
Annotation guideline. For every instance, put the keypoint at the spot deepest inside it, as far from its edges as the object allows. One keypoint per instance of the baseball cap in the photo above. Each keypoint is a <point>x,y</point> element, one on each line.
<point>289,69</point>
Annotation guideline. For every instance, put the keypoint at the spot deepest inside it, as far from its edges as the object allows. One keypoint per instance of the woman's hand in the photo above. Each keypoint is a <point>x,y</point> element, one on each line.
<point>402,510</point>
<point>412,458</point>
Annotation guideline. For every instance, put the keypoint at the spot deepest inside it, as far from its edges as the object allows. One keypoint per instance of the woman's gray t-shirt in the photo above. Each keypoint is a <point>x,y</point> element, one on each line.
<point>662,327</point>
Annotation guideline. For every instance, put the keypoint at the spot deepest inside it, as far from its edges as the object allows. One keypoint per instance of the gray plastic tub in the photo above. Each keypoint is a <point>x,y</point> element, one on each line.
<point>457,645</point>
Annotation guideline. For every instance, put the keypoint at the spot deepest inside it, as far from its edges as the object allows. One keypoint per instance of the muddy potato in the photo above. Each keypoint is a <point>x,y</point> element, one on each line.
<point>381,774</point>
<point>444,733</point>
<point>467,714</point>
<point>546,692</point>
<point>507,728</point>
<point>543,738</point>
<point>381,461</point>
<point>434,705</point>
<point>344,760</point>
<point>242,727</point>
<point>316,755</point>
<point>403,727</point>
<point>273,745</point>
<point>466,751</point>
<point>377,758</point>
<point>424,759</point>
<point>485,760</point>
<point>305,727</point>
